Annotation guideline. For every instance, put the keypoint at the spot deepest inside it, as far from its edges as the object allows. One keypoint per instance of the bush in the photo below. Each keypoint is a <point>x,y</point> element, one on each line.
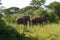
<point>10,19</point>
<point>9,33</point>
<point>52,17</point>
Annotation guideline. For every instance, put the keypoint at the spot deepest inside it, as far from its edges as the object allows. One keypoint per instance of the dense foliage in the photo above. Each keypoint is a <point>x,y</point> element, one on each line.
<point>10,30</point>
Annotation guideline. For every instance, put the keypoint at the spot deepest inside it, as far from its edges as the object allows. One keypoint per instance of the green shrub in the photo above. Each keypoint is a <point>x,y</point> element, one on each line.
<point>10,19</point>
<point>9,33</point>
<point>52,17</point>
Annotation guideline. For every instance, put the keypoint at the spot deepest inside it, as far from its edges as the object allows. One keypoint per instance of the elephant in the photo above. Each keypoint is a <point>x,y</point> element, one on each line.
<point>39,20</point>
<point>23,20</point>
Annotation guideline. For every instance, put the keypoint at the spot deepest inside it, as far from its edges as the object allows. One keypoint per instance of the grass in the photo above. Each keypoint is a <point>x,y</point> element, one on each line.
<point>50,31</point>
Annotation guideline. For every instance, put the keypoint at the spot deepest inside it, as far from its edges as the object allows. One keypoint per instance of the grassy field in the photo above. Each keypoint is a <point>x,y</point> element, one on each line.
<point>50,31</point>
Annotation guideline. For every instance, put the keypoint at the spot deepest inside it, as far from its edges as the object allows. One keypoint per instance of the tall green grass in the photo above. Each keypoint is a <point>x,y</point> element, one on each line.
<point>50,31</point>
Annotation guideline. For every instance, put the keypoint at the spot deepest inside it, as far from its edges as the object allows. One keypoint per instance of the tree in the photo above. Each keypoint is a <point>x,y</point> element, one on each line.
<point>23,10</point>
<point>40,11</point>
<point>28,10</point>
<point>52,17</point>
<point>55,6</point>
<point>11,10</point>
<point>37,3</point>
<point>14,9</point>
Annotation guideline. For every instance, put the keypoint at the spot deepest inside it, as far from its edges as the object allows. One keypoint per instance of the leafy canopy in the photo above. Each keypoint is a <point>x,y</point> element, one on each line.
<point>37,3</point>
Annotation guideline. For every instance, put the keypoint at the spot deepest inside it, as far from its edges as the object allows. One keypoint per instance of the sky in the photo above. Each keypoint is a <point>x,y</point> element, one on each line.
<point>20,3</point>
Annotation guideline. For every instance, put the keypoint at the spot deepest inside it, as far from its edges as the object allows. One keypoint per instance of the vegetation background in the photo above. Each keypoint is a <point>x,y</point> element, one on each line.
<point>10,30</point>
